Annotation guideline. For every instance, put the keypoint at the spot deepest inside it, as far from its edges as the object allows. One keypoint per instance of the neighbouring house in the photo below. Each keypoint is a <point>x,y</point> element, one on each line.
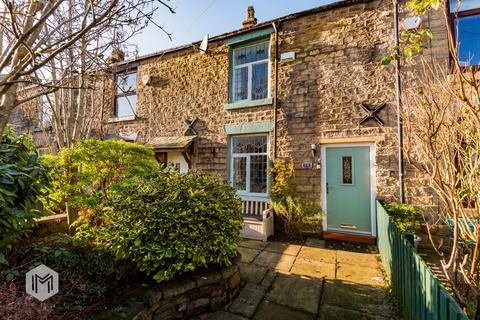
<point>307,87</point>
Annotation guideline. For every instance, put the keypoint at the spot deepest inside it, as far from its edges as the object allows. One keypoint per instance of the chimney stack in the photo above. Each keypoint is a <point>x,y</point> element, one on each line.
<point>251,20</point>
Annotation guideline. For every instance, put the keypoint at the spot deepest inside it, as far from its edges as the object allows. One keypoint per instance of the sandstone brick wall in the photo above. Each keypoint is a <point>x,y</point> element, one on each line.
<point>336,68</point>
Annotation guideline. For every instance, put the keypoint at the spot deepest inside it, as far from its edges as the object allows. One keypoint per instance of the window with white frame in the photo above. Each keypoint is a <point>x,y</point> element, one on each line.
<point>249,164</point>
<point>250,72</point>
<point>45,114</point>
<point>126,93</point>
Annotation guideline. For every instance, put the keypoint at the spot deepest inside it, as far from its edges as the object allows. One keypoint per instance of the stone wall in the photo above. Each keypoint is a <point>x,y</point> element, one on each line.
<point>184,296</point>
<point>336,68</point>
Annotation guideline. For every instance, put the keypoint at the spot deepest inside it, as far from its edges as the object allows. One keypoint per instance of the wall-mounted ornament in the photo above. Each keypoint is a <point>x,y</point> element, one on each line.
<point>190,123</point>
<point>372,111</point>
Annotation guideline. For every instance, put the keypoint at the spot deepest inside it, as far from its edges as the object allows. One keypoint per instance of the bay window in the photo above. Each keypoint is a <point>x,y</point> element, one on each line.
<point>125,94</point>
<point>465,19</point>
<point>249,164</point>
<point>250,72</point>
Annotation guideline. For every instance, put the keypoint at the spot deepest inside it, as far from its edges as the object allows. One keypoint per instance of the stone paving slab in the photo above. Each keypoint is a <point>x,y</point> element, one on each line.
<point>296,292</point>
<point>267,281</point>
<point>313,268</point>
<point>283,248</point>
<point>274,261</point>
<point>248,300</point>
<point>223,315</point>
<point>356,258</point>
<point>306,282</point>
<point>319,254</point>
<point>247,255</point>
<point>362,275</point>
<point>252,244</point>
<point>271,311</point>
<point>331,312</point>
<point>252,273</point>
<point>358,297</point>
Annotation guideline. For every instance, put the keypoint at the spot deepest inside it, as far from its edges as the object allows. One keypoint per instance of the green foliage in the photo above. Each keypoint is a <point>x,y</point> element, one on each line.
<point>405,216</point>
<point>171,223</point>
<point>86,175</point>
<point>293,211</point>
<point>282,176</point>
<point>23,181</point>
<point>414,41</point>
<point>291,208</point>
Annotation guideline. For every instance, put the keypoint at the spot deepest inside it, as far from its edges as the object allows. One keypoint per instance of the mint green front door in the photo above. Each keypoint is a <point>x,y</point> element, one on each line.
<point>348,189</point>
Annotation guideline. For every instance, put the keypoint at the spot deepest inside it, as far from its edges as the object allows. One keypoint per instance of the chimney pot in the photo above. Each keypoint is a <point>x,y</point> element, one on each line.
<point>251,20</point>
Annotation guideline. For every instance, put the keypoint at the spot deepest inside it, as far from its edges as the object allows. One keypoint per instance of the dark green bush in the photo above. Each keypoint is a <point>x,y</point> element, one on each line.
<point>174,223</point>
<point>23,182</point>
<point>163,221</point>
<point>405,216</point>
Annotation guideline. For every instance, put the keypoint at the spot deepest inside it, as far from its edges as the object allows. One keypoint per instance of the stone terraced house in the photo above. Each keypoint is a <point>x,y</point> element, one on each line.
<point>307,87</point>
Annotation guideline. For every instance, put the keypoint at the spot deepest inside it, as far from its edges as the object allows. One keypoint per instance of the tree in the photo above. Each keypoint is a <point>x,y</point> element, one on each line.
<point>441,114</point>
<point>56,44</point>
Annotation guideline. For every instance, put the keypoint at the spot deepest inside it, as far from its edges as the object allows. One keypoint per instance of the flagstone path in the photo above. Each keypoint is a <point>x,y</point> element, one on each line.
<point>310,281</point>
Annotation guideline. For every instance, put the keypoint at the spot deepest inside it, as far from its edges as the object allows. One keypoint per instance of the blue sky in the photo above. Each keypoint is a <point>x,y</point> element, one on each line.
<point>194,18</point>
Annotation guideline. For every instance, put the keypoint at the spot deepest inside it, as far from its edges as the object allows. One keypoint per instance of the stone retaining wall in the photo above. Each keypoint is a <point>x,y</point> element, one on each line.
<point>182,297</point>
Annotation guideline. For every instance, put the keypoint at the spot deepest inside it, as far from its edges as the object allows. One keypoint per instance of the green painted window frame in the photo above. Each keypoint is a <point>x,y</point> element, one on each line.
<point>245,40</point>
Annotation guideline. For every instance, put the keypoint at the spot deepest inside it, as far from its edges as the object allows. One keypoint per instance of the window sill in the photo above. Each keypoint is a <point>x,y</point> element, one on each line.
<point>248,104</point>
<point>120,119</point>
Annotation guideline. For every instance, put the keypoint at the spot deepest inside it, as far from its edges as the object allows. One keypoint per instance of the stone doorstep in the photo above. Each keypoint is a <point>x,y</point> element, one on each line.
<point>252,244</point>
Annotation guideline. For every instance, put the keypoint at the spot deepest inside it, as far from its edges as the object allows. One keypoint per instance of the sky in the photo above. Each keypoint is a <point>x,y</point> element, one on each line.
<point>195,18</point>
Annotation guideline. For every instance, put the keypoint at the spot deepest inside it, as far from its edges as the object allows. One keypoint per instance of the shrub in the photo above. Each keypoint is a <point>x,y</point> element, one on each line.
<point>405,216</point>
<point>23,181</point>
<point>282,176</point>
<point>294,210</point>
<point>173,223</point>
<point>87,174</point>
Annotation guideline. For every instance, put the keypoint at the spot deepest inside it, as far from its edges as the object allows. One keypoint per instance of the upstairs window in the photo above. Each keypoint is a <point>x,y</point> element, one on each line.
<point>45,114</point>
<point>465,18</point>
<point>249,161</point>
<point>125,94</point>
<point>250,72</point>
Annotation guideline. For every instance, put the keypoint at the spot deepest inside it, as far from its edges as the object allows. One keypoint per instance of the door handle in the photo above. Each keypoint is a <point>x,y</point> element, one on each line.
<point>327,187</point>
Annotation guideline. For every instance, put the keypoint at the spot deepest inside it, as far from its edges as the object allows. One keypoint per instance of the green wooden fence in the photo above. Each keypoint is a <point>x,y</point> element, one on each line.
<point>419,294</point>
